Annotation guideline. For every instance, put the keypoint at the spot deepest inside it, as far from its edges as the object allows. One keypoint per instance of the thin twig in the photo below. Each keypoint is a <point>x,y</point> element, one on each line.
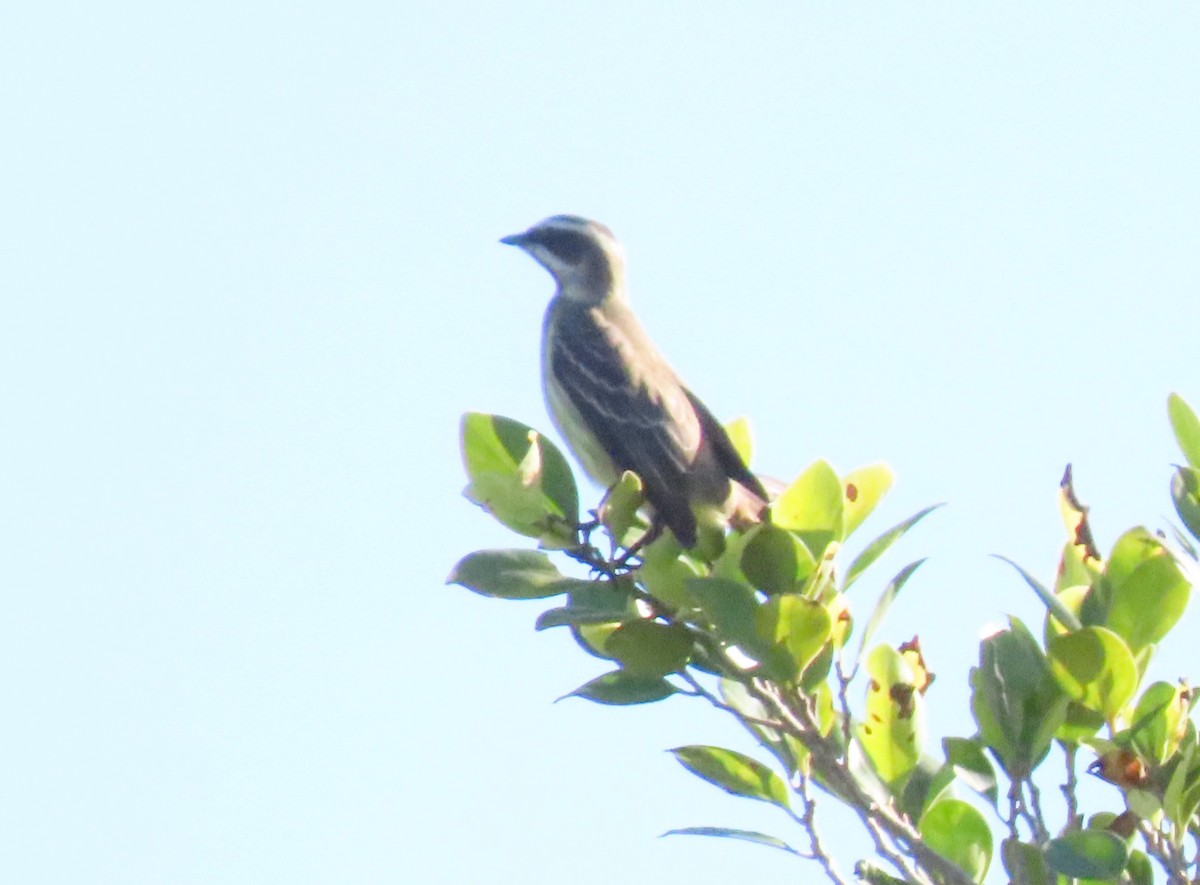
<point>809,821</point>
<point>1038,821</point>
<point>1072,784</point>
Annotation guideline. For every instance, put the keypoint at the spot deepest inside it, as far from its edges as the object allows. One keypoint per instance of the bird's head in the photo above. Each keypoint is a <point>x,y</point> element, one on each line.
<point>583,256</point>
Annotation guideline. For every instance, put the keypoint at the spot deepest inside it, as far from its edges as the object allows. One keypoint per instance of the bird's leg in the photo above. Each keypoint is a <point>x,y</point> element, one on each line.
<point>652,533</point>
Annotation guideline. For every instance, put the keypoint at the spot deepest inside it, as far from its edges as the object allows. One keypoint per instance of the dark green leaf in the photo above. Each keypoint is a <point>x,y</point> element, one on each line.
<point>880,545</point>
<point>1187,428</point>
<point>648,648</point>
<point>732,610</point>
<point>743,835</point>
<point>1024,864</point>
<point>958,832</point>
<point>1064,615</point>
<point>1138,868</point>
<point>775,559</point>
<point>512,574</point>
<point>734,772</point>
<point>971,765</point>
<point>1087,854</point>
<point>1185,493</point>
<point>592,602</point>
<point>1017,703</point>
<point>620,688</point>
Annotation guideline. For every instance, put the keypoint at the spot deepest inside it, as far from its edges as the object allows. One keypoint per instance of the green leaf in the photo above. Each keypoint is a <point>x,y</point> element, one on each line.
<point>621,503</point>
<point>1024,863</point>
<point>971,766</point>
<point>1095,667</point>
<point>775,559</point>
<point>1129,553</point>
<point>731,609</point>
<point>620,688</point>
<point>734,773</point>
<point>742,835</point>
<point>648,648</point>
<point>880,545</point>
<point>1187,428</point>
<point>1160,721</point>
<point>956,831</point>
<point>519,477</point>
<point>1017,703</point>
<point>664,573</point>
<point>1148,602</point>
<point>893,730</point>
<point>886,598</point>
<point>1139,869</point>
<point>1185,494</point>
<point>812,507</point>
<point>738,431</point>
<point>512,574</point>
<point>863,489</point>
<point>1087,854</point>
<point>867,872</point>
<point>1064,615</point>
<point>592,602</point>
<point>796,629</point>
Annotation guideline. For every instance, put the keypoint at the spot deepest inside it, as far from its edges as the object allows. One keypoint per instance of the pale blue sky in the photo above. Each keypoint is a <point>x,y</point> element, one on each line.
<point>252,279</point>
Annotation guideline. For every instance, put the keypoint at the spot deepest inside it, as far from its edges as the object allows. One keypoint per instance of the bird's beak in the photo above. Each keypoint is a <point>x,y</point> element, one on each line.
<point>515,239</point>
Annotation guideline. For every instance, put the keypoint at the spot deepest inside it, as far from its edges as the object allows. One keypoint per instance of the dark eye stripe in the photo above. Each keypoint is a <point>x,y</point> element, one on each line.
<point>568,246</point>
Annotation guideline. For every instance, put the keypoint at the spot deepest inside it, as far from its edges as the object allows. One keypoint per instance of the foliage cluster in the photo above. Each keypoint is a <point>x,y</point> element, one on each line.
<point>761,627</point>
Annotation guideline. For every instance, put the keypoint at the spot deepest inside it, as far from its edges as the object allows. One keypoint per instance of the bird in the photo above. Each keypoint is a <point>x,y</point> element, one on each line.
<point>618,403</point>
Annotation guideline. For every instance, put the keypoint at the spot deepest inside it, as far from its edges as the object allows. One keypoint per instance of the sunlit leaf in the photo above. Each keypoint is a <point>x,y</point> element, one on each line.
<point>619,511</point>
<point>520,477</point>
<point>863,489</point>
<point>1148,602</point>
<point>1160,720</point>
<point>1095,667</point>
<point>796,629</point>
<point>1187,428</point>
<point>880,545</point>
<point>734,772</point>
<point>956,831</point>
<point>738,431</point>
<point>812,507</point>
<point>893,730</point>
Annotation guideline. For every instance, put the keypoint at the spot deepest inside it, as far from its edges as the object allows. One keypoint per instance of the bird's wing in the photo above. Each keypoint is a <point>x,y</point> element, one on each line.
<point>636,409</point>
<point>722,448</point>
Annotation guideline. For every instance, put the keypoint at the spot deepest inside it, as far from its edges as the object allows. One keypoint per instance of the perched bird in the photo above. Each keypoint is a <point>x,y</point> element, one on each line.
<point>615,399</point>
